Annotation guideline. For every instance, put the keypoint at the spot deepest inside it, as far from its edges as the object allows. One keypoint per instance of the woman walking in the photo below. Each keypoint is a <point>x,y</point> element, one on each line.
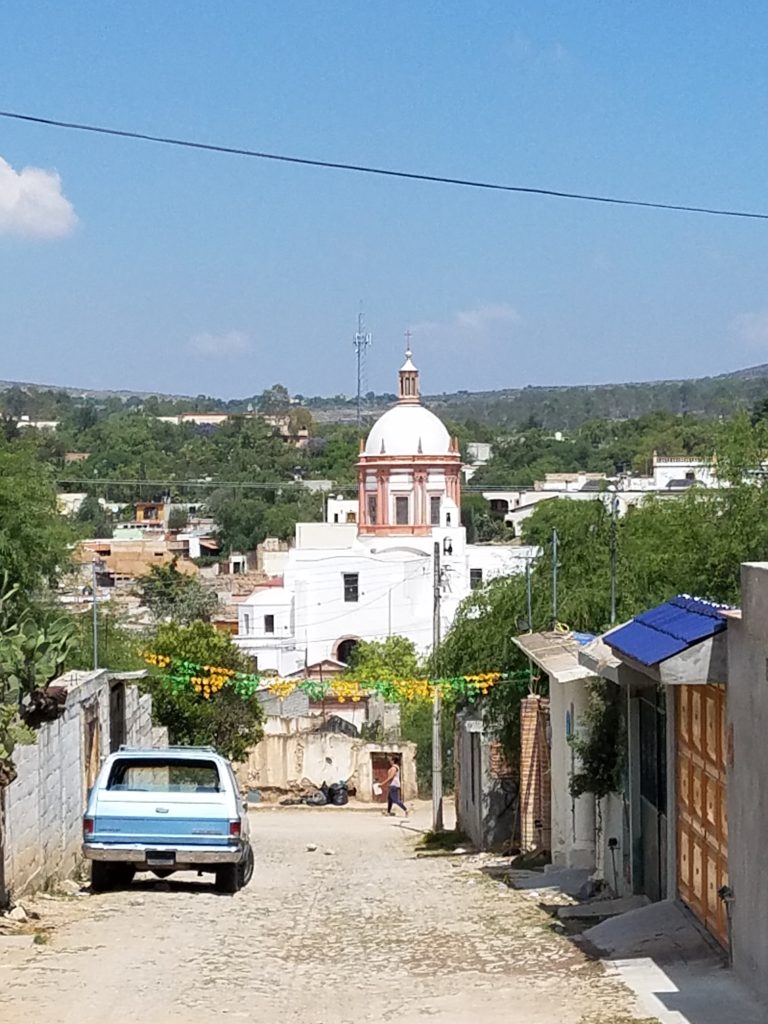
<point>393,788</point>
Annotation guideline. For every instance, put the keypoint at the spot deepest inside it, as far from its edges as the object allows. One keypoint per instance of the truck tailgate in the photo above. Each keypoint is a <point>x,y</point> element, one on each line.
<point>161,818</point>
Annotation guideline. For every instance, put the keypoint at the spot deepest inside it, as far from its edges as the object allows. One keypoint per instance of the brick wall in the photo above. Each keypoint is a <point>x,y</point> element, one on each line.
<point>535,775</point>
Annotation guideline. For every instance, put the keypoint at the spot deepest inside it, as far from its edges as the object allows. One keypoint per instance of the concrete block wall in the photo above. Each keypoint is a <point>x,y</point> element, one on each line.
<point>745,740</point>
<point>45,803</point>
<point>293,706</point>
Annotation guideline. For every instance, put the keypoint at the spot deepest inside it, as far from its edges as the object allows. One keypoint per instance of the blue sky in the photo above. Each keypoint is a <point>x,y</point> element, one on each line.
<point>154,268</point>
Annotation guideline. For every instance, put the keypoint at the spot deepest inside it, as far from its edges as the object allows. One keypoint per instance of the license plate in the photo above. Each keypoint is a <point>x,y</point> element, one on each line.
<point>160,859</point>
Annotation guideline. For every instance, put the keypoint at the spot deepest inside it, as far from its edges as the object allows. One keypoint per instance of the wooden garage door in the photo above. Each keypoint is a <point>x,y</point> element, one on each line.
<point>702,826</point>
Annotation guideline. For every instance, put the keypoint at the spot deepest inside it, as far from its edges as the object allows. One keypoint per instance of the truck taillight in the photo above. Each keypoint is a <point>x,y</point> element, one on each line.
<point>87,826</point>
<point>235,828</point>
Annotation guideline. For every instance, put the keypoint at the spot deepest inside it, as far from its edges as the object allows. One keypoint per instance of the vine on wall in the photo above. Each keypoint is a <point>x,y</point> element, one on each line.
<point>601,749</point>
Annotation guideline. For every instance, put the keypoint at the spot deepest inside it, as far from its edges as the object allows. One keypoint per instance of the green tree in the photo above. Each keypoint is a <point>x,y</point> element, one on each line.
<point>93,519</point>
<point>228,721</point>
<point>583,562</point>
<point>119,646</point>
<point>170,594</point>
<point>382,660</point>
<point>34,537</point>
<point>275,400</point>
<point>396,658</point>
<point>178,519</point>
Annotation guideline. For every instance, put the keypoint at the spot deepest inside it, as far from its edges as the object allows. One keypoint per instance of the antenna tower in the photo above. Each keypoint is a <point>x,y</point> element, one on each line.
<point>361,343</point>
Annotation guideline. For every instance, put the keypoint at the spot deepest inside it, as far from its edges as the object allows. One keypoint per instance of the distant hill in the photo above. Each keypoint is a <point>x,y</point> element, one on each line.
<point>568,407</point>
<point>96,393</point>
<point>564,407</point>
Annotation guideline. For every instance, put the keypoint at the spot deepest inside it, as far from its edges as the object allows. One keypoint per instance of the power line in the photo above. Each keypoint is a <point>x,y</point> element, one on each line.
<point>216,484</point>
<point>97,481</point>
<point>381,171</point>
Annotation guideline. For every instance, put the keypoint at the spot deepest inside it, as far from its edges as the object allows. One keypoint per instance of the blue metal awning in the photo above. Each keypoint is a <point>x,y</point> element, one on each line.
<point>667,630</point>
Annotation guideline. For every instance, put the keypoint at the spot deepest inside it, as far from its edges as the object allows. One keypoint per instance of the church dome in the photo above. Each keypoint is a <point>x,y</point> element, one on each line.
<point>408,430</point>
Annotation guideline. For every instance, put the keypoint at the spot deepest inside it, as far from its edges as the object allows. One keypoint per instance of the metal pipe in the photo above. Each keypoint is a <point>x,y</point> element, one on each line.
<point>725,893</point>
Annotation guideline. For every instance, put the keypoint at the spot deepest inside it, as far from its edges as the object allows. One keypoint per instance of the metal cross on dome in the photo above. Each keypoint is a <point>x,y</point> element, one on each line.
<point>408,352</point>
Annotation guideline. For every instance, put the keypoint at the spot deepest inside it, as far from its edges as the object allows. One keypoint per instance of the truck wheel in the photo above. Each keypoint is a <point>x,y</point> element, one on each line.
<point>245,867</point>
<point>228,878</point>
<point>102,876</point>
<point>106,877</point>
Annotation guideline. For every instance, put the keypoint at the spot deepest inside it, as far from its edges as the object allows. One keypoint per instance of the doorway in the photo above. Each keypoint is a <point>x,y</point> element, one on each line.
<point>91,745</point>
<point>117,731</point>
<point>652,708</point>
<point>702,823</point>
<point>379,770</point>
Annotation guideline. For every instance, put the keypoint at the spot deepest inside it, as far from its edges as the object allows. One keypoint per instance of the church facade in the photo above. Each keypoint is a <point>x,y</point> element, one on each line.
<point>373,575</point>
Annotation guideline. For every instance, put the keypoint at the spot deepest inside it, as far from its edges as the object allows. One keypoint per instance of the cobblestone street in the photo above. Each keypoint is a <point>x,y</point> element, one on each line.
<point>364,933</point>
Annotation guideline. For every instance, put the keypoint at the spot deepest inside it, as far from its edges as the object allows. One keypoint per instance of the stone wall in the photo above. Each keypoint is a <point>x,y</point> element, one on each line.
<point>486,785</point>
<point>294,755</point>
<point>45,804</point>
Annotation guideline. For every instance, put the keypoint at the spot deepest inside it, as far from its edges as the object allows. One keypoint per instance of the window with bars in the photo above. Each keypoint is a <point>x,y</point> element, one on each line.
<point>434,510</point>
<point>401,510</point>
<point>475,578</point>
<point>269,623</point>
<point>373,507</point>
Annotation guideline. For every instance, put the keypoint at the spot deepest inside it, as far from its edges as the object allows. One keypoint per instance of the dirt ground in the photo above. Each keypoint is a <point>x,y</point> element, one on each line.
<point>365,933</point>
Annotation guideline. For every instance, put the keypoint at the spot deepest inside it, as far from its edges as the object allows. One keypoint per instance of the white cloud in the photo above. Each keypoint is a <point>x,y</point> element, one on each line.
<point>752,328</point>
<point>477,326</point>
<point>230,343</point>
<point>484,318</point>
<point>32,203</point>
<point>525,50</point>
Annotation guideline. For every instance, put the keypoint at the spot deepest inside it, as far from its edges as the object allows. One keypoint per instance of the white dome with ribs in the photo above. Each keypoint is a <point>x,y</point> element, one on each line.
<point>408,430</point>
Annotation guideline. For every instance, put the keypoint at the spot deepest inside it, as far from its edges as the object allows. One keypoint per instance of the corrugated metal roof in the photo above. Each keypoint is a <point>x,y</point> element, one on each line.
<point>667,630</point>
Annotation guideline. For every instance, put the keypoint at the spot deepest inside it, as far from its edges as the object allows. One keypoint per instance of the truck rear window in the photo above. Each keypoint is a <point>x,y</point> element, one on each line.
<point>155,775</point>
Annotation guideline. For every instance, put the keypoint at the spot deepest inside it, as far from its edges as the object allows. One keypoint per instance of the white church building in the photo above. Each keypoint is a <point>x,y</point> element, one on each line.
<point>368,572</point>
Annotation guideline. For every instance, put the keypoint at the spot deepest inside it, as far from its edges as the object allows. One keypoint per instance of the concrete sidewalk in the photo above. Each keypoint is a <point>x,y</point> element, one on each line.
<point>678,974</point>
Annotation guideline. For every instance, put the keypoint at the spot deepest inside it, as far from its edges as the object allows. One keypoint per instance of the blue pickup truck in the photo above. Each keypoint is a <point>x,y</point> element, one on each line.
<point>166,810</point>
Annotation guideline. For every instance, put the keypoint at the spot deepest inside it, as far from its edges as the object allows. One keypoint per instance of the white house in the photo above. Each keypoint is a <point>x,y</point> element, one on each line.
<point>369,571</point>
<point>669,477</point>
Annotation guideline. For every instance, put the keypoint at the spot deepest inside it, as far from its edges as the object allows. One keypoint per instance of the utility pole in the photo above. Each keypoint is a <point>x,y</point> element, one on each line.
<point>437,711</point>
<point>96,566</point>
<point>614,515</point>
<point>554,579</point>
<point>529,594</point>
<point>361,342</point>
<point>95,603</point>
